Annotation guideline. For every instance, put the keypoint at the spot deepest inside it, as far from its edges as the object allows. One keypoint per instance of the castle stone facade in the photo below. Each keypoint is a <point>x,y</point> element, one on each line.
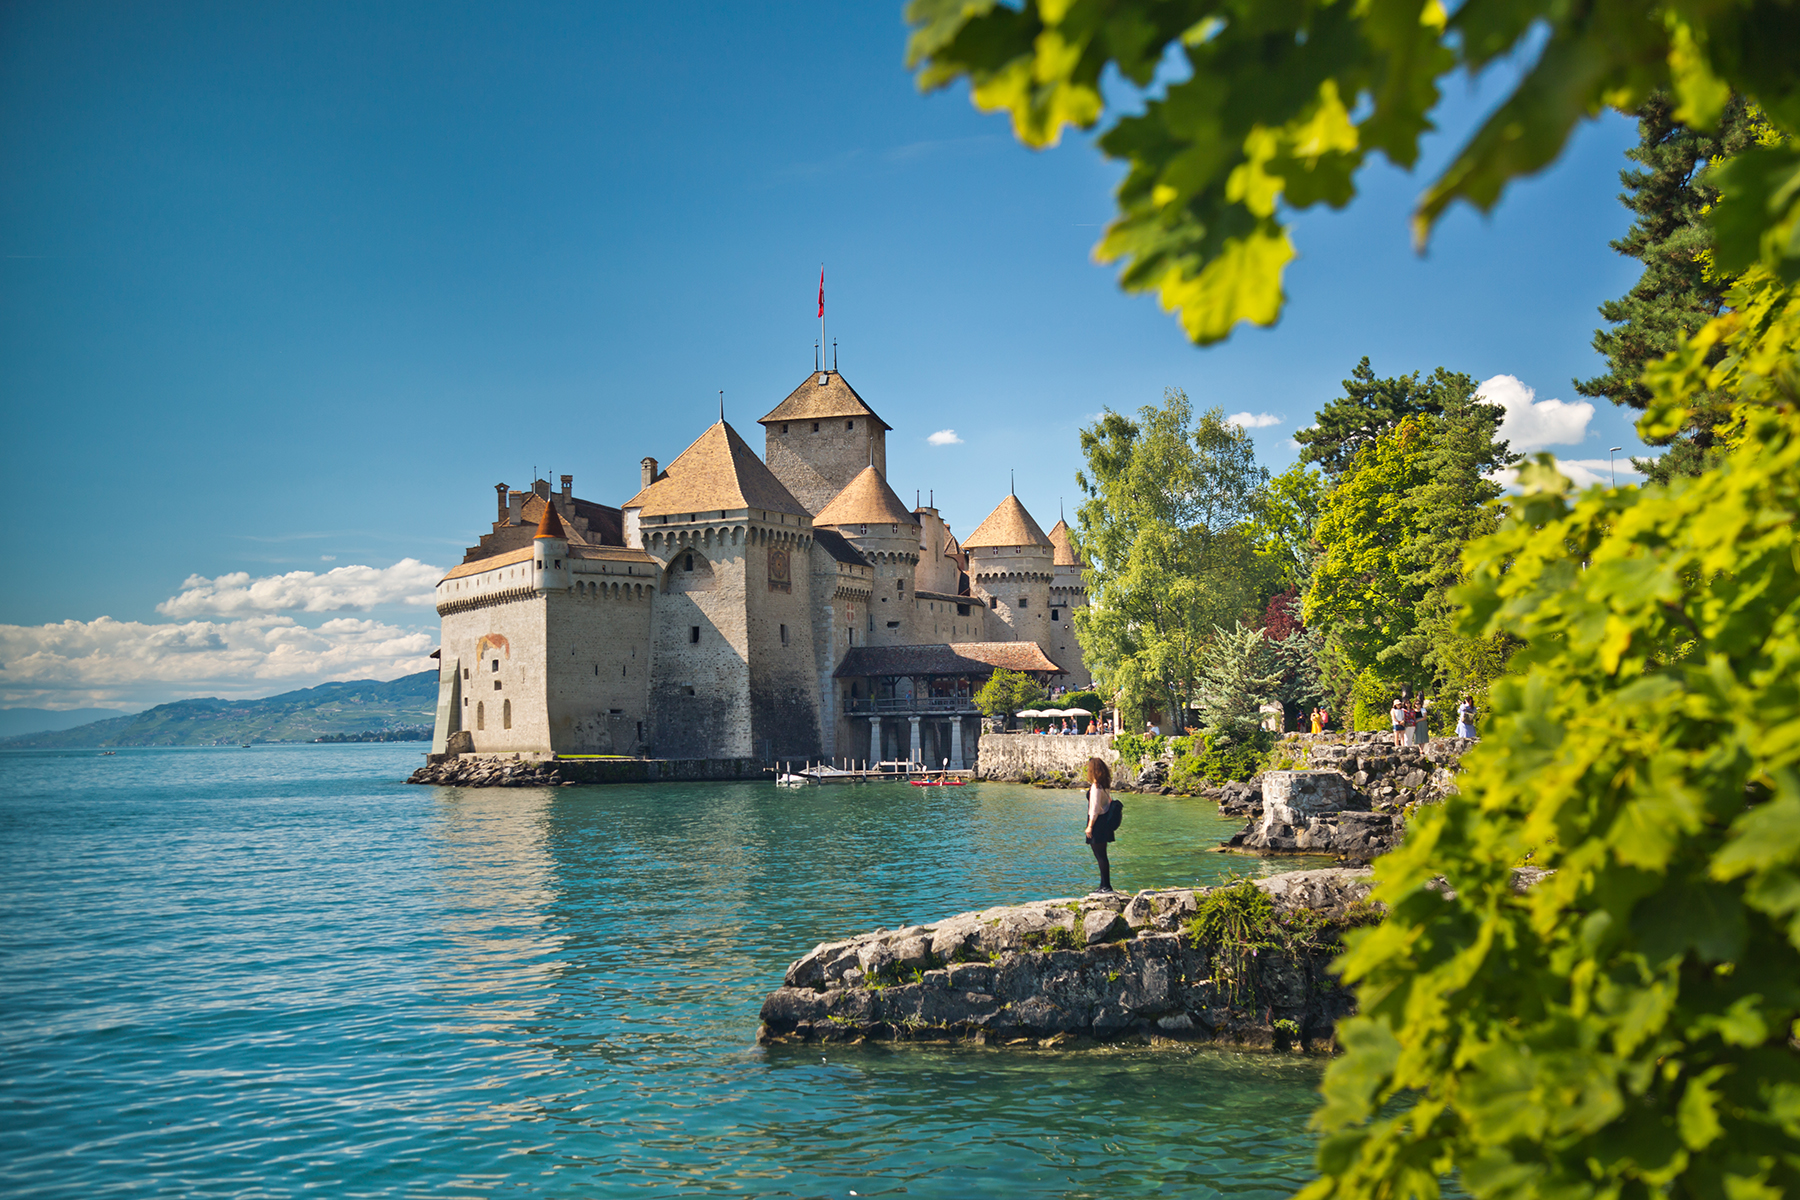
<point>788,606</point>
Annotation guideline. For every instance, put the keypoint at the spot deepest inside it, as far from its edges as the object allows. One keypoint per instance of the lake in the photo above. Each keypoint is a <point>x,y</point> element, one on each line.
<point>272,971</point>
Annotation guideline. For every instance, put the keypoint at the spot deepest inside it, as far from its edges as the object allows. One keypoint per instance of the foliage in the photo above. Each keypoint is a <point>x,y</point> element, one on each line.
<point>1006,692</point>
<point>1239,115</point>
<point>1091,701</point>
<point>1162,534</point>
<point>1134,748</point>
<point>1360,588</point>
<point>1227,757</point>
<point>1236,676</point>
<point>1298,653</point>
<point>1370,699</point>
<point>1623,1029</point>
<point>1234,922</point>
<point>1676,293</point>
<point>1284,516</point>
<point>1371,407</point>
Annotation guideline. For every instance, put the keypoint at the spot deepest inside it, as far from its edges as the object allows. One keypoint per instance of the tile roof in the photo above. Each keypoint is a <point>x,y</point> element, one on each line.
<point>1008,525</point>
<point>945,597</point>
<point>1065,550</point>
<point>1013,656</point>
<point>834,544</point>
<point>867,662</point>
<point>523,554</point>
<point>551,525</point>
<point>813,400</point>
<point>719,471</point>
<point>865,500</point>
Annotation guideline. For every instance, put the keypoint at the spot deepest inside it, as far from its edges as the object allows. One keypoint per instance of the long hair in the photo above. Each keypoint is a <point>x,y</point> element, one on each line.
<point>1099,773</point>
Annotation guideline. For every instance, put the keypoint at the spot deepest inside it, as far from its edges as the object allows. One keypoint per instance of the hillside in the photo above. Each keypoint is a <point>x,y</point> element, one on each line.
<point>355,706</point>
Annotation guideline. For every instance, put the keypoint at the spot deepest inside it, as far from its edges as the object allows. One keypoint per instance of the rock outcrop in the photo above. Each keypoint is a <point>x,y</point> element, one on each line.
<point>470,771</point>
<point>1105,967</point>
<point>1351,800</point>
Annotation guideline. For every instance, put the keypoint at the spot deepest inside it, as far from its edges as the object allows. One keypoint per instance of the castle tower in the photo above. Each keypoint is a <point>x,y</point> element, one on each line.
<point>819,438</point>
<point>1068,592</point>
<point>731,643</point>
<point>550,553</point>
<point>871,518</point>
<point>1011,567</point>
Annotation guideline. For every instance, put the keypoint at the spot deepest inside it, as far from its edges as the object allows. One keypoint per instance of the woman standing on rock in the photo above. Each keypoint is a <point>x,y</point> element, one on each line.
<point>1103,817</point>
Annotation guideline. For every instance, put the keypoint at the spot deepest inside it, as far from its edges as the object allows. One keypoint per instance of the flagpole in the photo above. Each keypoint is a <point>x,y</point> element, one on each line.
<point>822,316</point>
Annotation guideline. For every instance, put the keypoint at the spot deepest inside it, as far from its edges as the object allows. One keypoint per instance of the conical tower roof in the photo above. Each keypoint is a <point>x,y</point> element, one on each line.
<point>1065,549</point>
<point>1008,525</point>
<point>551,526</point>
<point>719,471</point>
<point>866,500</point>
<point>823,394</point>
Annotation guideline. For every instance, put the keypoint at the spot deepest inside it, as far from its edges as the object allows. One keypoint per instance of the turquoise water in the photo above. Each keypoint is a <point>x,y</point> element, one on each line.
<point>271,971</point>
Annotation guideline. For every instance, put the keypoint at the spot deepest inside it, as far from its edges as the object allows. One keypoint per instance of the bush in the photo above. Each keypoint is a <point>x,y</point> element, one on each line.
<point>1134,748</point>
<point>1625,1028</point>
<point>1371,696</point>
<point>1088,700</point>
<point>1217,758</point>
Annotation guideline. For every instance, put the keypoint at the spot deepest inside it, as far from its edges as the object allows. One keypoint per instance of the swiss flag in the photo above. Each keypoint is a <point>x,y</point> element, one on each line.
<point>821,291</point>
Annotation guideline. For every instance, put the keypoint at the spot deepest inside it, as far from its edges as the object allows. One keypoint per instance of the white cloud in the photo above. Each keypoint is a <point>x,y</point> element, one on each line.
<point>1532,424</point>
<point>945,437</point>
<point>1248,420</point>
<point>107,661</point>
<point>1584,472</point>
<point>340,589</point>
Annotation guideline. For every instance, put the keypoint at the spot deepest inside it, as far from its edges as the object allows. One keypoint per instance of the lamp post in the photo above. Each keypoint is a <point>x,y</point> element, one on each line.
<point>1609,464</point>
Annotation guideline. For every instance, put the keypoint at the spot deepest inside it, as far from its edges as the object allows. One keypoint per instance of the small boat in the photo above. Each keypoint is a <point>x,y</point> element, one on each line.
<point>786,780</point>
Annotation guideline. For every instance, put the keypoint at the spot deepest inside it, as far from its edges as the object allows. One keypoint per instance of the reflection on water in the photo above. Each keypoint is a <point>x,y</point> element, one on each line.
<point>269,971</point>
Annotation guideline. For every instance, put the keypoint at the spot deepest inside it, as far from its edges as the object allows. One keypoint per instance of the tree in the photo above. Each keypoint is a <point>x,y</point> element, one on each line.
<point>1371,407</point>
<point>1677,293</point>
<point>1285,517</point>
<point>1362,593</point>
<point>1163,531</point>
<point>1298,654</point>
<point>1275,108</point>
<point>1006,692</point>
<point>1237,674</point>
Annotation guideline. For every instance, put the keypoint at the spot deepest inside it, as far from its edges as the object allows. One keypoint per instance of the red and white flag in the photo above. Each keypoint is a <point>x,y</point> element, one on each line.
<point>821,291</point>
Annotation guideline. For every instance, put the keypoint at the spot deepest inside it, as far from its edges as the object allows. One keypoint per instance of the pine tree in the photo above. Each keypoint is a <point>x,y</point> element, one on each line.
<point>1371,407</point>
<point>1675,295</point>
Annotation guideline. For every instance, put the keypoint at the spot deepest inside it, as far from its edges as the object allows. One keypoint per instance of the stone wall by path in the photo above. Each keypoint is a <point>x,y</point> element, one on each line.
<point>1028,757</point>
<point>1105,967</point>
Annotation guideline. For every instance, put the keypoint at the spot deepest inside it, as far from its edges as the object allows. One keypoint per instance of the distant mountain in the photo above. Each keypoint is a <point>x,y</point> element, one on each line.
<point>354,707</point>
<point>16,721</point>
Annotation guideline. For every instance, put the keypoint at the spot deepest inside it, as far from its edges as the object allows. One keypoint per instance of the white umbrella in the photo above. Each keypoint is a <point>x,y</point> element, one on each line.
<point>1076,712</point>
<point>1028,712</point>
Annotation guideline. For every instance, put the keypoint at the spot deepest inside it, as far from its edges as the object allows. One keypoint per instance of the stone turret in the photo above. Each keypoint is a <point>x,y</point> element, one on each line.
<point>550,554</point>
<point>1011,567</point>
<point>872,518</point>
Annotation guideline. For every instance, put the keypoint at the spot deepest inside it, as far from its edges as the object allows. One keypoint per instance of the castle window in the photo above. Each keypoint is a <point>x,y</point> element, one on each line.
<point>694,635</point>
<point>993,602</point>
<point>596,668</point>
<point>784,640</point>
<point>465,672</point>
<point>1021,602</point>
<point>815,427</point>
<point>893,624</point>
<point>962,610</point>
<point>899,585</point>
<point>506,715</point>
<point>640,731</point>
<point>849,424</point>
<point>689,564</point>
<point>481,716</point>
<point>496,685</point>
<point>1053,615</point>
<point>496,664</point>
<point>784,429</point>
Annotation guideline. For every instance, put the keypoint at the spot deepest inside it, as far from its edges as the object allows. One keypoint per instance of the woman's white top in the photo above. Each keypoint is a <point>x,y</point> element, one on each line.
<point>1098,800</point>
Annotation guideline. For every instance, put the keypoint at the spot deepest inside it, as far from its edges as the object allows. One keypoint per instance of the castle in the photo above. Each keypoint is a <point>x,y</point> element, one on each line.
<point>783,607</point>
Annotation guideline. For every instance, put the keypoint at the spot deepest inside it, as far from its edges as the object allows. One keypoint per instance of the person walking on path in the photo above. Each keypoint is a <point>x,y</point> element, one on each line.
<point>1397,719</point>
<point>1103,817</point>
<point>1465,717</point>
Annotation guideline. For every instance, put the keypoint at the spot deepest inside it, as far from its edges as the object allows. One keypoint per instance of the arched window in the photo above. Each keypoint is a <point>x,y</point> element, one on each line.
<point>506,715</point>
<point>481,714</point>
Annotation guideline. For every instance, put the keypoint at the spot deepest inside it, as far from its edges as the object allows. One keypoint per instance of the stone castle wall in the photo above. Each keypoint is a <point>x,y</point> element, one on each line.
<point>598,669</point>
<point>500,643</point>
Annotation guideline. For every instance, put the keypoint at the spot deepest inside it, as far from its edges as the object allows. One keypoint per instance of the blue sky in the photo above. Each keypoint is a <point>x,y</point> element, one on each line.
<point>290,288</point>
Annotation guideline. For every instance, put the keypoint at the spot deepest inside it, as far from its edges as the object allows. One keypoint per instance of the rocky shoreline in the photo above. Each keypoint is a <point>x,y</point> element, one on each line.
<point>1148,968</point>
<point>468,771</point>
